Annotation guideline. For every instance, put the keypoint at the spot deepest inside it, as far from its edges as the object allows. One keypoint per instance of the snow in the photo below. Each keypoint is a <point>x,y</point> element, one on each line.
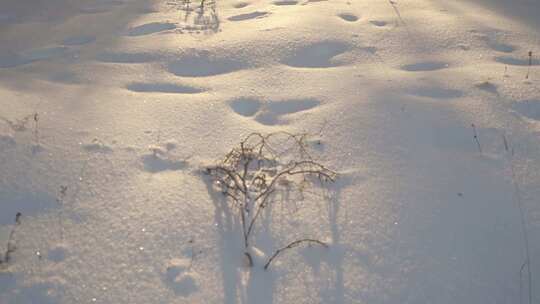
<point>429,110</point>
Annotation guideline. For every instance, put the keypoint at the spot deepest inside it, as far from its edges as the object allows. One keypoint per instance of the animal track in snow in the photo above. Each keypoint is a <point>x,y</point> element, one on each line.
<point>246,106</point>
<point>10,60</point>
<point>378,23</point>
<point>516,61</point>
<point>348,17</point>
<point>285,2</point>
<point>79,40</point>
<point>272,112</point>
<point>436,93</point>
<point>425,66</point>
<point>111,57</point>
<point>101,6</point>
<point>161,160</point>
<point>155,163</point>
<point>163,88</point>
<point>203,64</point>
<point>528,108</point>
<point>97,146</point>
<point>248,16</point>
<point>240,5</point>
<point>317,55</point>
<point>150,28</point>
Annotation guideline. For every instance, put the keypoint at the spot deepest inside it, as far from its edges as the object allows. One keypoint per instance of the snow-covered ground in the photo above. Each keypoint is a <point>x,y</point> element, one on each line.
<point>427,109</point>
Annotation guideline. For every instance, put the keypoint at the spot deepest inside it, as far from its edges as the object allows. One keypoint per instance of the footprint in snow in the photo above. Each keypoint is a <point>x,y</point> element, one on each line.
<point>180,278</point>
<point>10,60</point>
<point>348,17</point>
<point>492,40</point>
<point>248,16</point>
<point>240,5</point>
<point>436,93</point>
<point>100,6</point>
<point>285,2</point>
<point>517,61</point>
<point>79,40</point>
<point>272,112</point>
<point>425,66</point>
<point>160,159</point>
<point>170,88</point>
<point>96,146</point>
<point>150,28</point>
<point>156,163</point>
<point>378,23</point>
<point>317,55</point>
<point>112,57</point>
<point>204,64</point>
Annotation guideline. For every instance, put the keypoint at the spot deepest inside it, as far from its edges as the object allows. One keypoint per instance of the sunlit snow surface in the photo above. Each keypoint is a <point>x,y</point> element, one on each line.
<point>135,97</point>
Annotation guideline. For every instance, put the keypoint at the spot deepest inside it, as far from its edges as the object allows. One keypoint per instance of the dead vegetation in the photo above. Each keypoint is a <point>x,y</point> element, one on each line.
<point>260,166</point>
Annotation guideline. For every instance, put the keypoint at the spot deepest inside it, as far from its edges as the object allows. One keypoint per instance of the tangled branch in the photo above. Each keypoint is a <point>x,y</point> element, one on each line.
<point>252,172</point>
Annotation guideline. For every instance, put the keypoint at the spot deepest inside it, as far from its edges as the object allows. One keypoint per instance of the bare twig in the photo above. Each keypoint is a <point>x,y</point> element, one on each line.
<point>290,246</point>
<point>475,135</point>
<point>250,174</point>
<point>526,266</point>
<point>530,64</point>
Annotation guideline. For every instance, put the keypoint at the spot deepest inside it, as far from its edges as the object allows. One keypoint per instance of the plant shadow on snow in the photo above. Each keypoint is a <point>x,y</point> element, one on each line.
<point>255,285</point>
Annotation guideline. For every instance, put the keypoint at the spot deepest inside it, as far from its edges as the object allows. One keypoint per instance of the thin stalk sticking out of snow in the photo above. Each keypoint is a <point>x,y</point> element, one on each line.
<point>475,135</point>
<point>530,64</point>
<point>60,200</point>
<point>36,130</point>
<point>526,266</point>
<point>290,246</point>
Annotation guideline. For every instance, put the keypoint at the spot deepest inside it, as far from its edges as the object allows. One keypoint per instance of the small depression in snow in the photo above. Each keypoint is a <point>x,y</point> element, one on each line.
<point>156,163</point>
<point>517,61</point>
<point>425,66</point>
<point>317,55</point>
<point>246,106</point>
<point>10,60</point>
<point>248,16</point>
<point>436,92</point>
<point>272,113</point>
<point>150,28</point>
<point>285,2</point>
<point>79,40</point>
<point>163,88</point>
<point>204,65</point>
<point>348,17</point>
<point>112,57</point>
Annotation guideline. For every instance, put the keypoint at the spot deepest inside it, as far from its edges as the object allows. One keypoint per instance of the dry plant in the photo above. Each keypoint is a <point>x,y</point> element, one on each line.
<point>251,174</point>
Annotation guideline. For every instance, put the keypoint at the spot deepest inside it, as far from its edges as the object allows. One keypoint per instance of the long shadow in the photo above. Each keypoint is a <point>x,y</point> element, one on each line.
<point>229,243</point>
<point>240,284</point>
<point>338,257</point>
